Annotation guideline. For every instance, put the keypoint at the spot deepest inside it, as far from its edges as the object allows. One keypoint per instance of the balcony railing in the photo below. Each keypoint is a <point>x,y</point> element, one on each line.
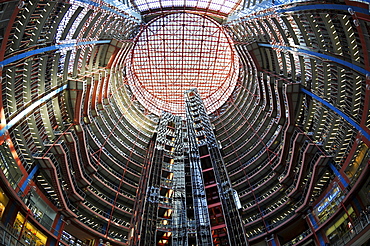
<point>298,238</point>
<point>8,238</point>
<point>359,225</point>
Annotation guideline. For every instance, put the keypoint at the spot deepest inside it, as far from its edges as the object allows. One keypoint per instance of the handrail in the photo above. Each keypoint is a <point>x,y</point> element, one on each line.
<point>8,238</point>
<point>358,226</point>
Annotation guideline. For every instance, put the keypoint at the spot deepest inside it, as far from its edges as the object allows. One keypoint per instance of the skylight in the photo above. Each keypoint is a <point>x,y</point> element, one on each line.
<point>220,6</point>
<point>178,52</point>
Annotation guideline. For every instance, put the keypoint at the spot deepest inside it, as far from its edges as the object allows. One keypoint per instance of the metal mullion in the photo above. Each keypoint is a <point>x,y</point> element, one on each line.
<point>148,50</point>
<point>231,62</point>
<point>218,40</point>
<point>182,51</point>
<point>173,45</point>
<point>200,51</point>
<point>165,65</point>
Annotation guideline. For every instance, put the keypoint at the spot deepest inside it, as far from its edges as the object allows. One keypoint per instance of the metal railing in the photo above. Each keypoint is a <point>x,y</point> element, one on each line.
<point>8,238</point>
<point>299,238</point>
<point>359,225</point>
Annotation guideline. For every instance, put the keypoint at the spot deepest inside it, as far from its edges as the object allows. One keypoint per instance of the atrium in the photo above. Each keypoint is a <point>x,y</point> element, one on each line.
<point>184,122</point>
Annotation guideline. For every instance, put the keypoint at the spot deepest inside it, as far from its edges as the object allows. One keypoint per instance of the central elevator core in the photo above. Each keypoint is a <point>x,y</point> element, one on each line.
<point>185,196</point>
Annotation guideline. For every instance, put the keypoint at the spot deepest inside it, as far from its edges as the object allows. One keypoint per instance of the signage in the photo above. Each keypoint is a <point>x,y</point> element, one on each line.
<point>327,200</point>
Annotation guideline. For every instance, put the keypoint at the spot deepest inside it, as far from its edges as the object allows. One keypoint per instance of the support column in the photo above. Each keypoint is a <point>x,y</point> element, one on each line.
<point>10,213</point>
<point>342,180</point>
<point>29,178</point>
<point>313,226</point>
<point>319,238</point>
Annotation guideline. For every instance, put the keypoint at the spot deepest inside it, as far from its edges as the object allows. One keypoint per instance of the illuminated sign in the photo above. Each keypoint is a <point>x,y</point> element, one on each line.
<point>327,200</point>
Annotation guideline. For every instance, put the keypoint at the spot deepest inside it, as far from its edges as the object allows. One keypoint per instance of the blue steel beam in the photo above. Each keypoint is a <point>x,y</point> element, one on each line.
<point>49,48</point>
<point>339,112</point>
<point>317,55</point>
<point>276,8</point>
<point>28,110</point>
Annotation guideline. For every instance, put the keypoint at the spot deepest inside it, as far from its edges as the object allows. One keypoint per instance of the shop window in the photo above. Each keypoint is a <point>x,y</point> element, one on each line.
<point>341,226</point>
<point>30,234</point>
<point>3,202</point>
<point>2,208</point>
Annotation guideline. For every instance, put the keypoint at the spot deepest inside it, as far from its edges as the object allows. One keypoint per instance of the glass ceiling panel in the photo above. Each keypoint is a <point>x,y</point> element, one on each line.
<point>178,52</point>
<point>221,6</point>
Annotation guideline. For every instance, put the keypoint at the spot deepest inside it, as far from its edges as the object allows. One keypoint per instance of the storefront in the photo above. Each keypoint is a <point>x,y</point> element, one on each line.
<point>3,202</point>
<point>30,235</point>
<point>341,226</point>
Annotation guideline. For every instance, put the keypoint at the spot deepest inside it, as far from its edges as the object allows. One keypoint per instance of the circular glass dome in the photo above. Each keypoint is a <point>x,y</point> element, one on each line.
<point>178,52</point>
